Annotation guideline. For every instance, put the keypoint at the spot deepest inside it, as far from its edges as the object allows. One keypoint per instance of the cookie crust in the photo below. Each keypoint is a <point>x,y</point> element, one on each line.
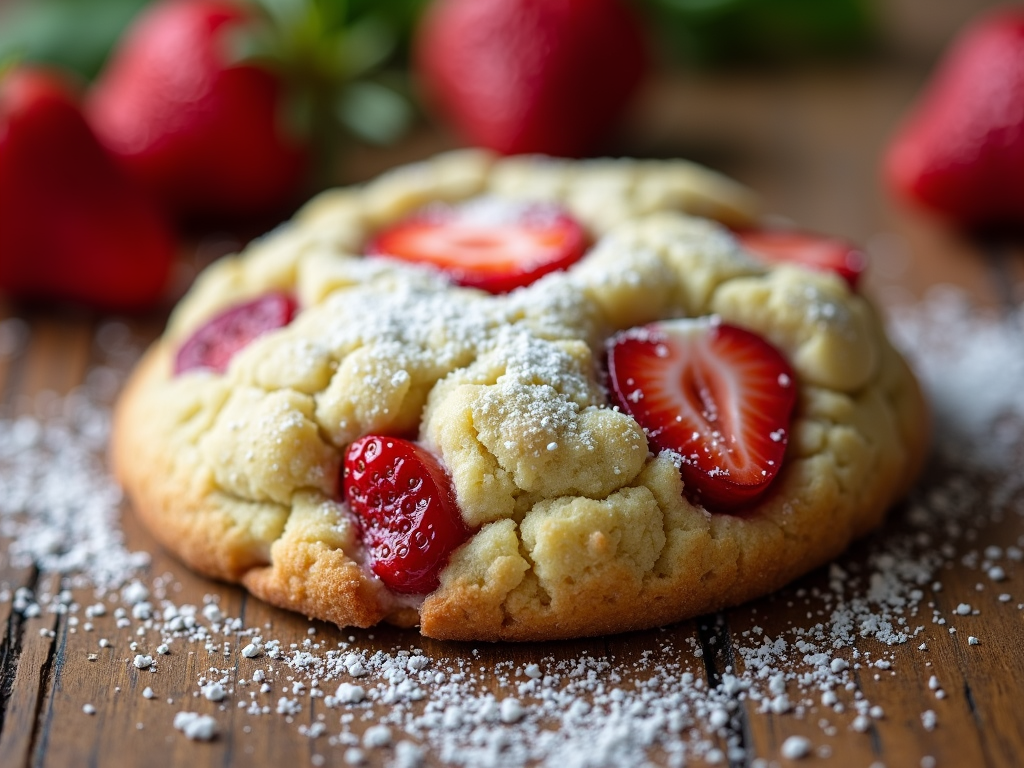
<point>237,474</point>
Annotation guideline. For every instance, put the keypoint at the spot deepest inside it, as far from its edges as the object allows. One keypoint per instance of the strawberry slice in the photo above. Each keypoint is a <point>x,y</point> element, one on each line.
<point>718,396</point>
<point>778,246</point>
<point>494,245</point>
<point>406,511</point>
<point>213,344</point>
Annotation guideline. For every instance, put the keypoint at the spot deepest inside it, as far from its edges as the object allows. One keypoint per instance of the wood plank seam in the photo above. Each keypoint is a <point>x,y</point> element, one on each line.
<point>33,669</point>
<point>744,731</point>
<point>10,648</point>
<point>13,644</point>
<point>41,737</point>
<point>872,731</point>
<point>978,720</point>
<point>972,704</point>
<point>713,634</point>
<point>44,700</point>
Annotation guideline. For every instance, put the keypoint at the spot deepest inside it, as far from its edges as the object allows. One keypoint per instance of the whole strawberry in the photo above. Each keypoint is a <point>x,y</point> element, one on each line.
<point>73,226</point>
<point>547,76</point>
<point>961,153</point>
<point>202,132</point>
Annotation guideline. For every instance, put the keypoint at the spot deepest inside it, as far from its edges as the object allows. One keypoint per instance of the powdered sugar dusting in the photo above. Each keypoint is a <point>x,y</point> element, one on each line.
<point>972,366</point>
<point>58,504</point>
<point>488,213</point>
<point>669,696</point>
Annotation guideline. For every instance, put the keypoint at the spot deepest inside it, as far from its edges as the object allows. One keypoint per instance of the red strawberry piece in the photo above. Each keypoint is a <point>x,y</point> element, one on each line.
<point>718,396</point>
<point>73,226</point>
<point>492,245</point>
<point>779,246</point>
<point>403,503</point>
<point>205,134</point>
<point>961,152</point>
<point>214,343</point>
<point>516,76</point>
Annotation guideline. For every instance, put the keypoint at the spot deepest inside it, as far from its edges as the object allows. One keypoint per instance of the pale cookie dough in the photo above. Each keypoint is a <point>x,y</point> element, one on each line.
<point>577,528</point>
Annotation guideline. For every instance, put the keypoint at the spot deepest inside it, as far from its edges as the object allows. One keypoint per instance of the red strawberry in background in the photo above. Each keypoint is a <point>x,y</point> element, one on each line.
<point>961,152</point>
<point>718,396</point>
<point>547,76</point>
<point>406,511</point>
<point>204,134</point>
<point>490,244</point>
<point>72,225</point>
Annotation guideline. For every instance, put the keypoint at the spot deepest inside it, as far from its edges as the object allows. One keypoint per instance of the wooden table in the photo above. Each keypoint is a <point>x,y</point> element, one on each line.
<point>810,143</point>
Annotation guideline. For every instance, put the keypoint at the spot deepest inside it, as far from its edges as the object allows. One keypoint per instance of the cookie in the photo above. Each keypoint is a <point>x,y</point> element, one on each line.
<point>517,399</point>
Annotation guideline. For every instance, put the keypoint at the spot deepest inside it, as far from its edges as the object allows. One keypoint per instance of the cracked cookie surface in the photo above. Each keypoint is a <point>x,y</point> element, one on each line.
<point>578,528</point>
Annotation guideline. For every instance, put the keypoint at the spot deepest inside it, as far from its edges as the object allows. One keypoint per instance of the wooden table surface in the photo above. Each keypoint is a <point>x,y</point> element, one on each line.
<point>810,143</point>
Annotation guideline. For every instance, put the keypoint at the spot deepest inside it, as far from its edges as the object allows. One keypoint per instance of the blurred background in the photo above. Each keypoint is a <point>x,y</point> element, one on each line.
<point>692,33</point>
<point>796,98</point>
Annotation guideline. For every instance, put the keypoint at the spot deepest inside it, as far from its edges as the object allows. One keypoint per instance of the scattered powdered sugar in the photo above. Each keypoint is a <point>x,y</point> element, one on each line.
<point>972,366</point>
<point>795,747</point>
<point>58,504</point>
<point>195,726</point>
<point>684,696</point>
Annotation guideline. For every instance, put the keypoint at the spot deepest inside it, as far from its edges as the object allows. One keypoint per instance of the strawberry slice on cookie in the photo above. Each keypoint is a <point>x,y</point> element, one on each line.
<point>405,509</point>
<point>717,397</point>
<point>494,245</point>
<point>794,246</point>
<point>213,345</point>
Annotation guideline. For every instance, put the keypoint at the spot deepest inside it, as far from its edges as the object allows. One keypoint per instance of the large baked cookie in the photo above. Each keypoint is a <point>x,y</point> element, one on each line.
<point>662,425</point>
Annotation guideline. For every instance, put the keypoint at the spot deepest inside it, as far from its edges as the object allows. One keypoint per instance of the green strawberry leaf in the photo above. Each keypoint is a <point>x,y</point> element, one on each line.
<point>70,34</point>
<point>335,58</point>
<point>331,55</point>
<point>368,44</point>
<point>375,113</point>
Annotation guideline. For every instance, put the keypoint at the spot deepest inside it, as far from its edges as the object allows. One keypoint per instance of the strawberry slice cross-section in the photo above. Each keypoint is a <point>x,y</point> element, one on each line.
<point>216,342</point>
<point>405,509</point>
<point>794,246</point>
<point>718,397</point>
<point>487,243</point>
